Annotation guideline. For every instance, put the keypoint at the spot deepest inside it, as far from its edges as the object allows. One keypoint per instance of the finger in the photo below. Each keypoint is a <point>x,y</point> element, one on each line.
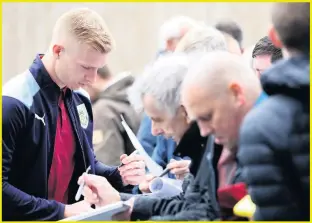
<point>93,201</point>
<point>90,196</point>
<point>178,171</point>
<point>133,180</point>
<point>144,187</point>
<point>132,158</point>
<point>149,177</point>
<point>173,164</point>
<point>132,165</point>
<point>89,193</point>
<point>180,177</point>
<point>172,160</point>
<point>92,180</point>
<point>179,164</point>
<point>122,157</point>
<point>133,172</point>
<point>81,178</point>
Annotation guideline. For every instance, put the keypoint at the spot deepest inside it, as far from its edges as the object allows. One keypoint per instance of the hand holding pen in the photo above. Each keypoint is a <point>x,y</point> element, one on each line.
<point>132,168</point>
<point>80,189</point>
<point>178,167</point>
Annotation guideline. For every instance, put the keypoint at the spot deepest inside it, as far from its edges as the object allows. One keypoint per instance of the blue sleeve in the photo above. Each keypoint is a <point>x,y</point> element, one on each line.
<point>145,137</point>
<point>18,205</point>
<point>160,153</point>
<point>163,152</point>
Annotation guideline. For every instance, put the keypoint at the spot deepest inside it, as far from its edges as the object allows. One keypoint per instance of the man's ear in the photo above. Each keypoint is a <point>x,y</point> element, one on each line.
<point>275,38</point>
<point>184,113</point>
<point>238,94</point>
<point>57,49</point>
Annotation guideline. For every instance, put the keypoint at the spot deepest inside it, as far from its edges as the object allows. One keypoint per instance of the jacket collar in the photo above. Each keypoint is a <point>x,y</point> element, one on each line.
<point>189,140</point>
<point>289,76</point>
<point>44,80</point>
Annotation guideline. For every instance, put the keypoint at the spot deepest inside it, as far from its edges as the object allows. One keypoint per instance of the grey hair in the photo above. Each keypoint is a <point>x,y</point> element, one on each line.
<point>202,39</point>
<point>162,80</point>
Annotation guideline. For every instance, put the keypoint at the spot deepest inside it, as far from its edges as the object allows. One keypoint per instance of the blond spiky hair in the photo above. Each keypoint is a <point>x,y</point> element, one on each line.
<point>87,27</point>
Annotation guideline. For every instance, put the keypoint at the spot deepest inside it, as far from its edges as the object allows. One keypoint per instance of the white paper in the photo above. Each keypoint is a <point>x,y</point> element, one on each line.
<point>100,214</point>
<point>165,187</point>
<point>153,167</point>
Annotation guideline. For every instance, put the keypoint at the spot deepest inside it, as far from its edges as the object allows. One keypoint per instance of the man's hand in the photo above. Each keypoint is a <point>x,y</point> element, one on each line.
<point>76,208</point>
<point>179,168</point>
<point>133,170</point>
<point>144,186</point>
<point>98,191</point>
<point>126,215</point>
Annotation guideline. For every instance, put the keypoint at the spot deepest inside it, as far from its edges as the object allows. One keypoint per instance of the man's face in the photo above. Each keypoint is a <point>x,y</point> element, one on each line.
<point>260,63</point>
<point>162,122</point>
<point>77,65</point>
<point>217,115</point>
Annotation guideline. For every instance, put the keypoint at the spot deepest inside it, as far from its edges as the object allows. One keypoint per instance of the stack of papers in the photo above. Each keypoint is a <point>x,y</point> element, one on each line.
<point>165,187</point>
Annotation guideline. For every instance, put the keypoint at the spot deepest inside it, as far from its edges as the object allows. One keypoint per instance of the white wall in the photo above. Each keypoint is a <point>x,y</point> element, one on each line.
<point>27,27</point>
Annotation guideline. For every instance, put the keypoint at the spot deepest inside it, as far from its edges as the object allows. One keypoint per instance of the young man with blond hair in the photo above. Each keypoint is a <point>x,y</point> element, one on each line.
<point>47,124</point>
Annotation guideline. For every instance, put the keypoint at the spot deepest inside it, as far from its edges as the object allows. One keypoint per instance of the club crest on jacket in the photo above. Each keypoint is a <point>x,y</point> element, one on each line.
<point>83,115</point>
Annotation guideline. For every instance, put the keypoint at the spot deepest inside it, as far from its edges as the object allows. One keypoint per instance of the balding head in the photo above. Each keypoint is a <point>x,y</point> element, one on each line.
<point>216,70</point>
<point>217,92</point>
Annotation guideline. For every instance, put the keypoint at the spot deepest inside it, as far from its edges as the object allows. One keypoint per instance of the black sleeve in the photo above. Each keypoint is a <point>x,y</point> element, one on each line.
<point>112,175</point>
<point>193,205</point>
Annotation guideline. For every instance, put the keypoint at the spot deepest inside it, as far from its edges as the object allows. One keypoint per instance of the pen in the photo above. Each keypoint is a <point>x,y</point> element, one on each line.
<point>167,170</point>
<point>164,172</point>
<point>79,192</point>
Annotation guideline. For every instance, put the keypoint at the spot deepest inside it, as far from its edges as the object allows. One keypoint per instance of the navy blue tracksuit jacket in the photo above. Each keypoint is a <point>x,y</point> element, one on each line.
<point>30,111</point>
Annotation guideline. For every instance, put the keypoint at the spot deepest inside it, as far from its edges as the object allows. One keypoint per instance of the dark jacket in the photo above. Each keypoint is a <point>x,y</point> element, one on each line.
<point>274,144</point>
<point>110,140</point>
<point>192,145</point>
<point>199,202</point>
<point>28,144</point>
<point>167,149</point>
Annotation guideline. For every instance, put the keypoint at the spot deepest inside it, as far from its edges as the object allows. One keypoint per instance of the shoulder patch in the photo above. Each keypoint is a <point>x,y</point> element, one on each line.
<point>23,87</point>
<point>83,93</point>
